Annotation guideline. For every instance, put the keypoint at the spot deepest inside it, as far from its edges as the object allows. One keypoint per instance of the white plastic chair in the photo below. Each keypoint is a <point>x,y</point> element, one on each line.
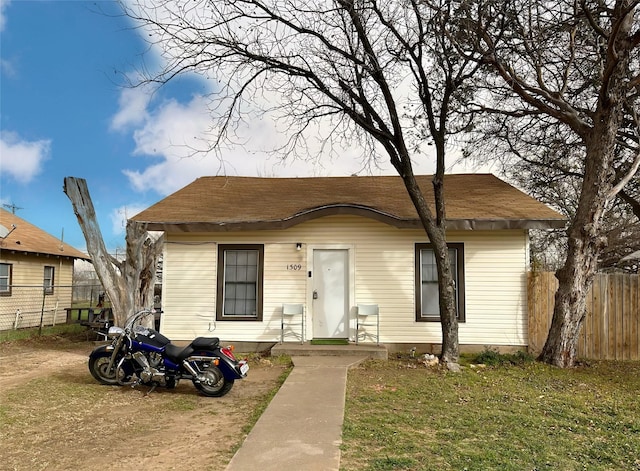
<point>367,315</point>
<point>292,316</point>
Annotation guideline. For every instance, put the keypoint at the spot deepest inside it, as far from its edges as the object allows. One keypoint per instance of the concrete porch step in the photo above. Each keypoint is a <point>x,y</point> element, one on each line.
<point>370,350</point>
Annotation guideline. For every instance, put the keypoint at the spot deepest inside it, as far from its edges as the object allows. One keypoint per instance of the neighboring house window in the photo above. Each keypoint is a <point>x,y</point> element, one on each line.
<point>240,269</point>
<point>5,279</point>
<point>427,302</point>
<point>48,280</point>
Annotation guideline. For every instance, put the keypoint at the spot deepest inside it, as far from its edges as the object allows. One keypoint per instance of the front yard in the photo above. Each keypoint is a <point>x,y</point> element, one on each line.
<point>55,416</point>
<point>401,415</point>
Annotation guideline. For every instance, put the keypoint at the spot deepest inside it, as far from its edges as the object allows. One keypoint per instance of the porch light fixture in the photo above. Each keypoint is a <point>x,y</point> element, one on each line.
<point>298,245</point>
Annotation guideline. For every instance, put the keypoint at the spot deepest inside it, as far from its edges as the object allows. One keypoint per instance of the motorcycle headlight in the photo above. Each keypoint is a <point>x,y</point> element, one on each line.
<point>114,331</point>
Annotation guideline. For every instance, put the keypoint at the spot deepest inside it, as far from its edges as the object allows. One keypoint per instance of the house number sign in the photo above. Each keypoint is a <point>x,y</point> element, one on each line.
<point>294,267</point>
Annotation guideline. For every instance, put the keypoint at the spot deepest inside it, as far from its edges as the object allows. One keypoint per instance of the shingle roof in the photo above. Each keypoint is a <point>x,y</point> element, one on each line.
<point>473,201</point>
<point>28,238</point>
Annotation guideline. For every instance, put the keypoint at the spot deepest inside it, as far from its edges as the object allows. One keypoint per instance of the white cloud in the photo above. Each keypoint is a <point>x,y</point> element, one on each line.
<point>7,68</point>
<point>133,108</point>
<point>3,17</point>
<point>20,158</point>
<point>177,135</point>
<point>172,135</point>
<point>119,217</point>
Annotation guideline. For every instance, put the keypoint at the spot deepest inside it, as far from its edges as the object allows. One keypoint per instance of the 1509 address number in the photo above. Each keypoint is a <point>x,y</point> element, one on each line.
<point>294,267</point>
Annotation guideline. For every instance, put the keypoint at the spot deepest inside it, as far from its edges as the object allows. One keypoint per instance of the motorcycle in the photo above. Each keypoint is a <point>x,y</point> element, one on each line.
<point>141,355</point>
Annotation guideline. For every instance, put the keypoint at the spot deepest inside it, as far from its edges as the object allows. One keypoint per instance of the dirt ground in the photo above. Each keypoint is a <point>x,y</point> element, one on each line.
<point>55,416</point>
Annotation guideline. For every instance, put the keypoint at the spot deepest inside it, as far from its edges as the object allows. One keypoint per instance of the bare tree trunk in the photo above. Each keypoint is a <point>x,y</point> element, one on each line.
<point>446,287</point>
<point>585,240</point>
<point>574,280</point>
<point>617,39</point>
<point>129,284</point>
<point>446,291</point>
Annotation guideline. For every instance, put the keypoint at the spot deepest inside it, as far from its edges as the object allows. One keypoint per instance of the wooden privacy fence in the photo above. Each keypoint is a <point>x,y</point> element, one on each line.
<point>611,328</point>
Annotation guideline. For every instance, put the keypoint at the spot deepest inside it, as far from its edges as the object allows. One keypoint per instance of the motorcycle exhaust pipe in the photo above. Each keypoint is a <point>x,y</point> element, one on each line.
<point>214,360</point>
<point>192,371</point>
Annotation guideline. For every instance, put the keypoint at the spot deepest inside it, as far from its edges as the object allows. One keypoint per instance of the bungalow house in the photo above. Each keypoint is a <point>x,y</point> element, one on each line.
<point>36,274</point>
<point>238,248</point>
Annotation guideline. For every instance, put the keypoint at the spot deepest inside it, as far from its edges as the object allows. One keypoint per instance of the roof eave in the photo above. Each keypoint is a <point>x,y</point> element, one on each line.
<point>454,224</point>
<point>504,224</point>
<point>46,254</point>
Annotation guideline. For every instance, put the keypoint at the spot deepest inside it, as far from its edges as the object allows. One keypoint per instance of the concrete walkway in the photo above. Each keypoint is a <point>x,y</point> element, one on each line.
<point>301,429</point>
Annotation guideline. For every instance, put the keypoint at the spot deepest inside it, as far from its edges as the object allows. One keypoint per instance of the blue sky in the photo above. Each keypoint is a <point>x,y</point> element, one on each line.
<point>64,111</point>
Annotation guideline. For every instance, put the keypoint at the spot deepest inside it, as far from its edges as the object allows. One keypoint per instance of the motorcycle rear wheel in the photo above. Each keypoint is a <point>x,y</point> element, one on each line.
<point>214,384</point>
<point>99,368</point>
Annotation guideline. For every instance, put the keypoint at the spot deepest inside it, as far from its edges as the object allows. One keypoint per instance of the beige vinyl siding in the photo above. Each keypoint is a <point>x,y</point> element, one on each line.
<point>29,269</point>
<point>27,277</point>
<point>281,285</point>
<point>496,287</point>
<point>188,287</point>
<point>383,273</point>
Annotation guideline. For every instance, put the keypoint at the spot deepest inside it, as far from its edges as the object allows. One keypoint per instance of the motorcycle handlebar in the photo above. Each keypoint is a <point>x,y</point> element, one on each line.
<point>138,316</point>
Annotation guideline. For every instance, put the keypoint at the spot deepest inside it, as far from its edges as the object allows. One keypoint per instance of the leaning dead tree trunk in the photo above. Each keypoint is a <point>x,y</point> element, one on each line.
<point>130,283</point>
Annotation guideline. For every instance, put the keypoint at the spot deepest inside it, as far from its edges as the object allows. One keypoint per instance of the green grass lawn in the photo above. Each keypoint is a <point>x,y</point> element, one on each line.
<point>47,331</point>
<point>401,415</point>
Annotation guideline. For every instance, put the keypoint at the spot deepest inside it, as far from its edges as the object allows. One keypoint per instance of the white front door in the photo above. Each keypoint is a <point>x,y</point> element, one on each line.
<point>330,293</point>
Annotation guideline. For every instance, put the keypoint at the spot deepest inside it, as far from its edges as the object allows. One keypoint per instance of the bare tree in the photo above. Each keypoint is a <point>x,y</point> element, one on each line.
<point>381,74</point>
<point>550,168</point>
<point>128,283</point>
<point>567,72</point>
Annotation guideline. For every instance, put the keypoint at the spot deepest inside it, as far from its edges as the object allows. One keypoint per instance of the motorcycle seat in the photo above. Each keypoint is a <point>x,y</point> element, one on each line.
<point>205,343</point>
<point>177,354</point>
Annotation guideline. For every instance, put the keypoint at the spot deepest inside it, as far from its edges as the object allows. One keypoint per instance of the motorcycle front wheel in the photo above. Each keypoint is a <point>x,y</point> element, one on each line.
<point>213,383</point>
<point>99,368</point>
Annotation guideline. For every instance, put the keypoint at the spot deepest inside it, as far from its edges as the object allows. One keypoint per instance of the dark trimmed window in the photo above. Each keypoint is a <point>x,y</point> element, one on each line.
<point>427,301</point>
<point>49,273</point>
<point>239,294</point>
<point>5,279</point>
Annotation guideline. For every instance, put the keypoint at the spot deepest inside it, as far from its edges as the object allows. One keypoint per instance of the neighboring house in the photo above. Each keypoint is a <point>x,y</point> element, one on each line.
<point>237,248</point>
<point>36,274</point>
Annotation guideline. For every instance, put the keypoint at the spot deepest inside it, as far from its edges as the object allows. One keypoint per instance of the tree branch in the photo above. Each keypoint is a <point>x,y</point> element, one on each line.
<point>625,179</point>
